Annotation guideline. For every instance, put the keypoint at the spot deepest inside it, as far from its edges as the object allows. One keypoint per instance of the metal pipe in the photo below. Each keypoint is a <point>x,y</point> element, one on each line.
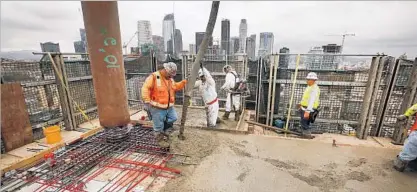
<point>101,21</point>
<point>274,85</point>
<point>57,53</point>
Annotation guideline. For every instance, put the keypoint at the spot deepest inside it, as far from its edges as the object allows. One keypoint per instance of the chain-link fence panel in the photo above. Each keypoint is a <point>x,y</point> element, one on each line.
<point>401,76</point>
<point>81,90</point>
<point>341,92</point>
<point>40,92</point>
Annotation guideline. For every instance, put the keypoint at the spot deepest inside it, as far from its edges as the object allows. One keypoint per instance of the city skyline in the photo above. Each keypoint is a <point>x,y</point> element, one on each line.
<point>298,27</point>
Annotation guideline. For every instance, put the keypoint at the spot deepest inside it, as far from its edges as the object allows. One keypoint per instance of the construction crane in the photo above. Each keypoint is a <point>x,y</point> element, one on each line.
<point>125,45</point>
<point>343,39</point>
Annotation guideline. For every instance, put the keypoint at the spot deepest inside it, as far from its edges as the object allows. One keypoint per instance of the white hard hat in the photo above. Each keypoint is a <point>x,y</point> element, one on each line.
<point>203,72</point>
<point>200,72</point>
<point>226,67</point>
<point>312,76</point>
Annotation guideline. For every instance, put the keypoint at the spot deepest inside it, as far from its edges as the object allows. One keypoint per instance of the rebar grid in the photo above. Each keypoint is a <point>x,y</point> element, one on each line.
<point>137,156</point>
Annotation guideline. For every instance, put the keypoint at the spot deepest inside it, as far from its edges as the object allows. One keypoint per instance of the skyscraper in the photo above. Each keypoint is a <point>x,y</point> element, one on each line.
<point>79,47</point>
<point>266,44</point>
<point>192,49</point>
<point>144,32</point>
<point>178,42</point>
<point>331,61</point>
<point>314,61</point>
<point>50,47</point>
<point>168,32</point>
<point>243,33</point>
<point>83,35</point>
<point>158,41</point>
<point>251,46</point>
<point>235,42</point>
<point>199,36</point>
<point>284,59</point>
<point>225,37</point>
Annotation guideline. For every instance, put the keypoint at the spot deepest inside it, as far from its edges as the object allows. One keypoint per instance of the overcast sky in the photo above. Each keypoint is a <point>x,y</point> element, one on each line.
<point>389,27</point>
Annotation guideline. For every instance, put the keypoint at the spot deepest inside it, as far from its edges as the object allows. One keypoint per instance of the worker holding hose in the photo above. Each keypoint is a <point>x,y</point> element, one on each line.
<point>408,155</point>
<point>207,87</point>
<point>233,99</point>
<point>158,94</point>
<point>308,107</point>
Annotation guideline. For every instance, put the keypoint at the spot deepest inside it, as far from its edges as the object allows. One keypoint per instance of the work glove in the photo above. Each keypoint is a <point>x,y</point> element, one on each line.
<point>298,106</point>
<point>402,118</point>
<point>147,107</point>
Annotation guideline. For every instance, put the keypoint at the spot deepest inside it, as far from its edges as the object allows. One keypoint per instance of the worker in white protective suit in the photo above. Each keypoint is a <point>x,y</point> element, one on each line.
<point>207,88</point>
<point>232,98</point>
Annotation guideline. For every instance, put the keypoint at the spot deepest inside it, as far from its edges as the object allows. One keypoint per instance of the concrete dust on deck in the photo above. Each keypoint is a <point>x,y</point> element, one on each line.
<point>259,163</point>
<point>196,117</point>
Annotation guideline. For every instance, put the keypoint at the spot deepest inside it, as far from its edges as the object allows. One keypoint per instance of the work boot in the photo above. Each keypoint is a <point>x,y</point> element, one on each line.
<point>237,115</point>
<point>226,115</point>
<point>168,128</point>
<point>218,120</point>
<point>306,134</point>
<point>399,164</point>
<point>162,142</point>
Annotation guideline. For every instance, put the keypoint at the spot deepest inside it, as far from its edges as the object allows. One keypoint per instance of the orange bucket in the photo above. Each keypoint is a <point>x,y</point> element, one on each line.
<point>52,134</point>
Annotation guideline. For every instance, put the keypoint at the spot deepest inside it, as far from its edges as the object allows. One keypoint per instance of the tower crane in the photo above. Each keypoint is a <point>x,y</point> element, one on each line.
<point>127,43</point>
<point>344,35</point>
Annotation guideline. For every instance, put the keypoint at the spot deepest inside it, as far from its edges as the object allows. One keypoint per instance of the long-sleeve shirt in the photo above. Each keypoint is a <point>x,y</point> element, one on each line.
<point>230,80</point>
<point>313,95</point>
<point>411,111</point>
<point>207,89</point>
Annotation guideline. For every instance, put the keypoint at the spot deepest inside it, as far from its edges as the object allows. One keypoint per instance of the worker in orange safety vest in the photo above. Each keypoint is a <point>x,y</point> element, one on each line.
<point>158,95</point>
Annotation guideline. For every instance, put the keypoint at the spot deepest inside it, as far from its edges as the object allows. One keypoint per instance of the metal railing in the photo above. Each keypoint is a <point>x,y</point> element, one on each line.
<point>365,98</point>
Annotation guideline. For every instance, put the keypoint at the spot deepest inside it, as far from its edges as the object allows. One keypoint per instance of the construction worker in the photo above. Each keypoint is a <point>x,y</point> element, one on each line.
<point>408,155</point>
<point>158,94</point>
<point>207,88</point>
<point>232,98</point>
<point>308,107</point>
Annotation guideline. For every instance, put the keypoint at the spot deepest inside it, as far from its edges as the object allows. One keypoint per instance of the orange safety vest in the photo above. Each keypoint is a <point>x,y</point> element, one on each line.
<point>414,127</point>
<point>159,91</point>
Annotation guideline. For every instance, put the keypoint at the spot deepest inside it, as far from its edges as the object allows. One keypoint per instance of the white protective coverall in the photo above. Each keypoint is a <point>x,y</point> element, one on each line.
<point>208,92</point>
<point>228,85</point>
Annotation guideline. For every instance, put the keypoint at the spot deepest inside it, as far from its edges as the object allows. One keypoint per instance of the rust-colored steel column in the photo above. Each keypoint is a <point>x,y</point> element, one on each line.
<point>101,21</point>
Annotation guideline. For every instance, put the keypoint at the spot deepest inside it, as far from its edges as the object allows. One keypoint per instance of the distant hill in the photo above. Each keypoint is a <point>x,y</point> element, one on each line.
<point>20,55</point>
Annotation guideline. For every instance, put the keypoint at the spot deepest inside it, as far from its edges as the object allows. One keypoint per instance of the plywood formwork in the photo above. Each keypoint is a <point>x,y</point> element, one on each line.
<point>16,130</point>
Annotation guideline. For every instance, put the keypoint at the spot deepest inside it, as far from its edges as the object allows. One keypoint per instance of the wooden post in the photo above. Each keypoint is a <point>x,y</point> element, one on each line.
<point>373,96</point>
<point>101,21</point>
<point>63,97</point>
<point>401,128</point>
<point>68,96</point>
<point>367,97</point>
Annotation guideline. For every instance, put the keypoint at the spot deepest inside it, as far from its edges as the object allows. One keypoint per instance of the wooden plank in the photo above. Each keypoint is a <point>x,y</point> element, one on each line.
<point>367,98</point>
<point>15,126</point>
